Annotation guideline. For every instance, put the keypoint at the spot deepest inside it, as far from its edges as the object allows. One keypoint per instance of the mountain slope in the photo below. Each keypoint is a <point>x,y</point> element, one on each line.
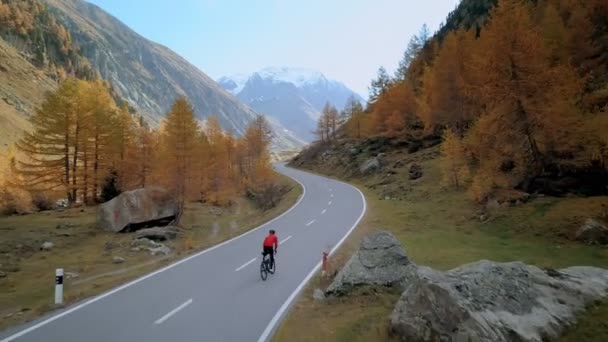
<point>147,75</point>
<point>294,96</point>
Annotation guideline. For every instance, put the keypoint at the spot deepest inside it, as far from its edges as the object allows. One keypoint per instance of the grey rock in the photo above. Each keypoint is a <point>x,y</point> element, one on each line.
<point>47,246</point>
<point>65,226</point>
<point>415,171</point>
<point>2,274</point>
<point>158,233</point>
<point>71,275</point>
<point>160,250</point>
<point>136,207</point>
<point>118,260</point>
<point>318,295</point>
<point>487,301</point>
<point>380,260</point>
<point>136,249</point>
<point>144,242</point>
<point>108,246</point>
<point>369,166</point>
<point>593,232</point>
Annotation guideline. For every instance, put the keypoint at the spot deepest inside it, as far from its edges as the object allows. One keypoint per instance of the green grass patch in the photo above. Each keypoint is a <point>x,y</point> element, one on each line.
<point>443,229</point>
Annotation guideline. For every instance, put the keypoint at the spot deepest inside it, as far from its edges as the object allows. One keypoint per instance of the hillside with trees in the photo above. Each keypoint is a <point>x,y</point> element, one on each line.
<point>82,142</point>
<point>518,90</point>
<point>488,143</point>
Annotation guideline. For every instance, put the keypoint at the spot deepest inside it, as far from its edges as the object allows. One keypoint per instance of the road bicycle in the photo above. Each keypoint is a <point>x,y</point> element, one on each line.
<point>266,266</point>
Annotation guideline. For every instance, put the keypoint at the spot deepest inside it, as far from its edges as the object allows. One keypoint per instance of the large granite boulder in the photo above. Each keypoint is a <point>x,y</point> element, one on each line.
<point>380,260</point>
<point>137,208</point>
<point>487,301</point>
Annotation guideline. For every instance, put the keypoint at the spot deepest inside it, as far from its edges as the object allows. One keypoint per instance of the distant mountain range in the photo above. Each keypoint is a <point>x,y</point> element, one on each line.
<point>293,96</point>
<point>145,74</point>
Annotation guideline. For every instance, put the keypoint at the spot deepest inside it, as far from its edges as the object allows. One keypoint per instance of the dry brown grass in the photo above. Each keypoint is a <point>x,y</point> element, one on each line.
<point>27,291</point>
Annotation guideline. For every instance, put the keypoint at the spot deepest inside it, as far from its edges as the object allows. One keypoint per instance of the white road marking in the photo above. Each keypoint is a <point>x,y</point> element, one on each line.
<point>245,265</point>
<point>309,223</point>
<point>111,292</point>
<point>331,195</point>
<point>173,312</point>
<point>329,203</point>
<point>285,239</point>
<point>324,211</point>
<point>279,315</point>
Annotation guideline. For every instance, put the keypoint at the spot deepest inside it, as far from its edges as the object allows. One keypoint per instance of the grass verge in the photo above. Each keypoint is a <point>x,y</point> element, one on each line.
<point>443,229</point>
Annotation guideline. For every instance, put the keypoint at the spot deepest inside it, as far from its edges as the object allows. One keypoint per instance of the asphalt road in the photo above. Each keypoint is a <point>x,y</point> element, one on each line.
<point>217,294</point>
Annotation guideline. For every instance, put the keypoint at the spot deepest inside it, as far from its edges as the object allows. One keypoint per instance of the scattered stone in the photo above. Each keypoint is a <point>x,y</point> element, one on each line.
<point>369,166</point>
<point>483,217</point>
<point>136,249</point>
<point>65,226</point>
<point>353,151</point>
<point>108,246</point>
<point>71,275</point>
<point>318,295</point>
<point>160,250</point>
<point>158,233</point>
<point>509,197</point>
<point>593,232</point>
<point>492,203</point>
<point>415,171</point>
<point>488,301</point>
<point>47,246</point>
<point>380,260</point>
<point>144,242</point>
<point>118,260</point>
<point>2,274</point>
<point>136,207</point>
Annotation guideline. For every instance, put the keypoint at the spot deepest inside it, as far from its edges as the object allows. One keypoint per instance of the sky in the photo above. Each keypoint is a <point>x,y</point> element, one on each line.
<point>347,40</point>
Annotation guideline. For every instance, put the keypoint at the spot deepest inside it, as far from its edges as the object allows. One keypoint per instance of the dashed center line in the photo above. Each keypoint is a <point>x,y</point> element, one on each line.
<point>311,222</point>
<point>173,312</point>
<point>285,239</point>
<point>324,211</point>
<point>331,195</point>
<point>245,265</point>
<point>329,203</point>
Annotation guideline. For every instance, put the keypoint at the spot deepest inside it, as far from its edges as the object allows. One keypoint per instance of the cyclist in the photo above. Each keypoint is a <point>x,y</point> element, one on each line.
<point>270,246</point>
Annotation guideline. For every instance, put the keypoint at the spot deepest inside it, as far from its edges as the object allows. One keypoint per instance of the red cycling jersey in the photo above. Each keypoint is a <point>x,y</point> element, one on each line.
<point>271,241</point>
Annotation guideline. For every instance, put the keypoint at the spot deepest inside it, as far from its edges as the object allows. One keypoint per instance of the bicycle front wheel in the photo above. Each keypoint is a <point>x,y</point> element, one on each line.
<point>263,271</point>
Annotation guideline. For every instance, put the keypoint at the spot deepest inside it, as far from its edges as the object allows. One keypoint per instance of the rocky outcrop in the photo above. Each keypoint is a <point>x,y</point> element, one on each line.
<point>380,260</point>
<point>487,301</point>
<point>369,166</point>
<point>593,232</point>
<point>481,301</point>
<point>132,209</point>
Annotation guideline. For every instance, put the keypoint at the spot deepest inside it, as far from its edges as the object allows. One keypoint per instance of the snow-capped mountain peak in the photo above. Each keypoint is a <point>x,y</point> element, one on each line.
<point>293,96</point>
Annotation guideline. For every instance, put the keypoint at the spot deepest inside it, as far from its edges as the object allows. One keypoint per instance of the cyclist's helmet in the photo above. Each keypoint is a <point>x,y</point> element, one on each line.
<point>272,231</point>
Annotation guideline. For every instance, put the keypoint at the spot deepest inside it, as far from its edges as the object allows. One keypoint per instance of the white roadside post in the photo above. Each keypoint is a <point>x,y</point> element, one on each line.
<point>59,286</point>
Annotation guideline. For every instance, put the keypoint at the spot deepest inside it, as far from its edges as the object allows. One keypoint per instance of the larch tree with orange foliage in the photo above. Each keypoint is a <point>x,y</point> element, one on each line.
<point>447,98</point>
<point>529,117</point>
<point>179,142</point>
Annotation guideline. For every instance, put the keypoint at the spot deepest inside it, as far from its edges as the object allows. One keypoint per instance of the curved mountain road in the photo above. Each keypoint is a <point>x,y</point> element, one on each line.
<point>216,294</point>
